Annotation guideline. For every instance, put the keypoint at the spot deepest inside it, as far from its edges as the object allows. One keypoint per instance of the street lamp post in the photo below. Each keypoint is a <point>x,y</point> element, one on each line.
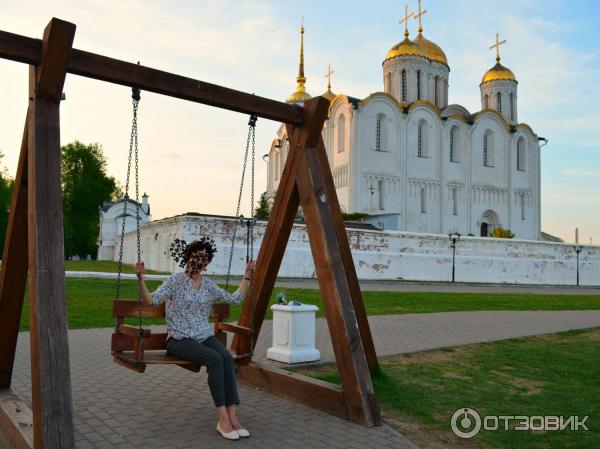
<point>453,238</point>
<point>577,251</point>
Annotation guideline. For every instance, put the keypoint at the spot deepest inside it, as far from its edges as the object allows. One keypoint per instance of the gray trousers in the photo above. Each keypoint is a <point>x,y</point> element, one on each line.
<point>218,362</point>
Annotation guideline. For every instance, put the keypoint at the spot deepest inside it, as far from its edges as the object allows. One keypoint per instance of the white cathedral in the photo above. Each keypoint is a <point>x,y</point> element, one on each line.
<point>415,163</point>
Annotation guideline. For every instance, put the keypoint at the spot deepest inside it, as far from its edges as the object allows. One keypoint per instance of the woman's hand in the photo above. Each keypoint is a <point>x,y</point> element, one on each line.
<point>249,273</point>
<point>139,269</point>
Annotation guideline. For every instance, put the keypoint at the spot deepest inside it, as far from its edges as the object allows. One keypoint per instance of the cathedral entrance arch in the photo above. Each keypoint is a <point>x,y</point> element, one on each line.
<point>489,221</point>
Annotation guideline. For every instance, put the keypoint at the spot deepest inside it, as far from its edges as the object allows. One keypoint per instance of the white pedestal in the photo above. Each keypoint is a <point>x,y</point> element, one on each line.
<point>293,334</point>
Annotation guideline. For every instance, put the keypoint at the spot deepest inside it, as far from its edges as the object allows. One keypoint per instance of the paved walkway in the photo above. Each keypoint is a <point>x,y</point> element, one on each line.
<point>168,407</point>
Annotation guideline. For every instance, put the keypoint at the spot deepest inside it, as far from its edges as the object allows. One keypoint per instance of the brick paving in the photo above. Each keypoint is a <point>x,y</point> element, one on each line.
<point>168,407</point>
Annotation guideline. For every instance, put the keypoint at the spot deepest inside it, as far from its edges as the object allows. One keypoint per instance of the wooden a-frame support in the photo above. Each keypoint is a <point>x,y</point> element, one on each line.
<point>34,244</point>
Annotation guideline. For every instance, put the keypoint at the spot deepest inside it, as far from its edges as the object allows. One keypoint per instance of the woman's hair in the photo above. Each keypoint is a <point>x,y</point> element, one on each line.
<point>181,251</point>
<point>195,246</point>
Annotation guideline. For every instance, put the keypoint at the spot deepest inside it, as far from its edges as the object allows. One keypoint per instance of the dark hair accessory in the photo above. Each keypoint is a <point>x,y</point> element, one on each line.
<point>177,249</point>
<point>181,251</point>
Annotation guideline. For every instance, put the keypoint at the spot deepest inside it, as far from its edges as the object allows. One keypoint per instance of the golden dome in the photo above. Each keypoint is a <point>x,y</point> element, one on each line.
<point>329,95</point>
<point>299,96</point>
<point>497,73</point>
<point>406,48</point>
<point>432,50</point>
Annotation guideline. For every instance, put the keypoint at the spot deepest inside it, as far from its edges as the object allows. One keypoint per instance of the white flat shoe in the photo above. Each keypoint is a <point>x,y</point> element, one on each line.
<point>243,433</point>
<point>233,435</point>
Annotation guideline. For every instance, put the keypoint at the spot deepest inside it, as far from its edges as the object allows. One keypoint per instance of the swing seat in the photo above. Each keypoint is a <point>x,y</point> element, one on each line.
<point>129,353</point>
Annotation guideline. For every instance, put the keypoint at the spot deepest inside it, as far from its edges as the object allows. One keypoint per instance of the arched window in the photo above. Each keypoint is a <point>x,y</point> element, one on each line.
<point>499,102</point>
<point>341,134</point>
<point>486,101</point>
<point>521,154</point>
<point>522,206</point>
<point>389,82</point>
<point>276,165</point>
<point>404,85</point>
<point>381,133</point>
<point>454,145</point>
<point>435,91</point>
<point>422,139</point>
<point>284,152</point>
<point>418,84</point>
<point>380,189</point>
<point>423,202</point>
<point>454,201</point>
<point>512,106</point>
<point>488,149</point>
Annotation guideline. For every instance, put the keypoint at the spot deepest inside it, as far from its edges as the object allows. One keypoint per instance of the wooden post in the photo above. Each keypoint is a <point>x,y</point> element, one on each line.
<point>315,184</point>
<point>13,275</point>
<point>270,255</point>
<point>50,375</point>
<point>307,179</point>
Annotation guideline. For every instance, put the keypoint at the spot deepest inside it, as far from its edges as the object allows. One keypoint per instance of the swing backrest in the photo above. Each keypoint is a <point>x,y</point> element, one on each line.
<point>124,308</point>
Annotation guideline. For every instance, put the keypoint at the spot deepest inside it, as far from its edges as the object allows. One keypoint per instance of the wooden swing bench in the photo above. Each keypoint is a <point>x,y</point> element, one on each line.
<point>134,347</point>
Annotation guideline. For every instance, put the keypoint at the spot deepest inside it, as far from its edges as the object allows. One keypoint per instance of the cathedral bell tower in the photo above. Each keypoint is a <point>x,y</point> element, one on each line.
<point>499,88</point>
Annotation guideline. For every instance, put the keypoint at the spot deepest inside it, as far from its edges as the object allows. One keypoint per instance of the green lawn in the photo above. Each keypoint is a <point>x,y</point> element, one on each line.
<point>89,302</point>
<point>104,266</point>
<point>550,375</point>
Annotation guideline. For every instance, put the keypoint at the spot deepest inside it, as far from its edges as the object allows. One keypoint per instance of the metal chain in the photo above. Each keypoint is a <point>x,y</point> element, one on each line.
<point>251,126</point>
<point>132,139</point>
<point>136,98</point>
<point>252,209</point>
<point>133,147</point>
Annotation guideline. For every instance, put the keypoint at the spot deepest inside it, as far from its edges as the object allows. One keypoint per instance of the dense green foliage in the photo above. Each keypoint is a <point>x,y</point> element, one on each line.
<point>85,186</point>
<point>262,210</point>
<point>6,189</point>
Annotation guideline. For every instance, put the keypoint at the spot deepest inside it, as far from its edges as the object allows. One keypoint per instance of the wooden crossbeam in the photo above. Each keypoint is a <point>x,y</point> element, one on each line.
<point>314,393</point>
<point>28,50</point>
<point>50,373</point>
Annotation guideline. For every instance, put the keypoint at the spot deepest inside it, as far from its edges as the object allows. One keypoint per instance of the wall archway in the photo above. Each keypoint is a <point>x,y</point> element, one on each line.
<point>488,222</point>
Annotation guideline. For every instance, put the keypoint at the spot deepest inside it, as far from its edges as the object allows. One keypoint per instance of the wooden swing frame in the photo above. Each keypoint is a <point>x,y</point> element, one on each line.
<point>34,245</point>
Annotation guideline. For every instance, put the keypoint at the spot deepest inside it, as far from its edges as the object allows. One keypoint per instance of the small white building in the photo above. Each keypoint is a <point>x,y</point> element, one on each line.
<point>417,164</point>
<point>111,224</point>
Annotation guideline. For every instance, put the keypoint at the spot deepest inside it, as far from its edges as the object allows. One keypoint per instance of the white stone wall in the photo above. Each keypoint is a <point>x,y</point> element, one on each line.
<point>384,255</point>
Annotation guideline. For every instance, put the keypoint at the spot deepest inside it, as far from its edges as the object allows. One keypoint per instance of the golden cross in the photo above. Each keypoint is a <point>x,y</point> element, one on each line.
<point>497,45</point>
<point>418,16</point>
<point>405,20</point>
<point>329,73</point>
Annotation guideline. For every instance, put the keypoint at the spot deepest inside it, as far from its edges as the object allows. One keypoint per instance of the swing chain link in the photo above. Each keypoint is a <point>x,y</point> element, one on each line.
<point>251,129</point>
<point>252,123</point>
<point>133,145</point>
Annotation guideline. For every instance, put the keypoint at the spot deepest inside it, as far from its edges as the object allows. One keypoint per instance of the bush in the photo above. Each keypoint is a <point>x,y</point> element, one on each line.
<point>354,216</point>
<point>501,233</point>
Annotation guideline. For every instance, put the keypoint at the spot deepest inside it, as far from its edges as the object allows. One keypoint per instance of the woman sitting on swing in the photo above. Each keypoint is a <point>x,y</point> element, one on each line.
<point>189,298</point>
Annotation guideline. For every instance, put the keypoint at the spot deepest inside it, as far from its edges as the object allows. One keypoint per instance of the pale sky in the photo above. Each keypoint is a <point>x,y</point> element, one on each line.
<point>191,154</point>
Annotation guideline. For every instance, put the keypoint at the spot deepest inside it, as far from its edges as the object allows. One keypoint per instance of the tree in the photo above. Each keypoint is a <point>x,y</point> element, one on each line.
<point>85,187</point>
<point>6,190</point>
<point>262,210</point>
